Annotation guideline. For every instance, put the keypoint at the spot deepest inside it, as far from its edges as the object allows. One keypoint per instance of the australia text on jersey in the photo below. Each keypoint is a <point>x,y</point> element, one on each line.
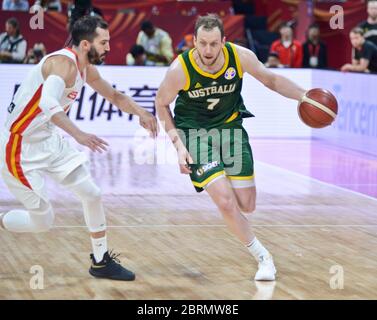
<point>202,92</point>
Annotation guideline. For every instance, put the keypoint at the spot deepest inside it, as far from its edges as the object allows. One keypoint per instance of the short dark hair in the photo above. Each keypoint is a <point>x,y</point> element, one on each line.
<point>85,28</point>
<point>15,24</point>
<point>209,22</point>
<point>137,50</point>
<point>358,30</point>
<point>146,25</point>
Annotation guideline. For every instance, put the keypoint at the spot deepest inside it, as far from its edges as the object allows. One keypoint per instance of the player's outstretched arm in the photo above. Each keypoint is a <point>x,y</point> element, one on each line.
<point>173,82</point>
<point>122,101</point>
<point>275,82</point>
<point>59,72</point>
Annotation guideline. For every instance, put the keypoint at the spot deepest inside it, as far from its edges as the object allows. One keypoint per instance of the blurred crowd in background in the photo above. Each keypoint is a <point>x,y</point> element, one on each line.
<point>154,45</point>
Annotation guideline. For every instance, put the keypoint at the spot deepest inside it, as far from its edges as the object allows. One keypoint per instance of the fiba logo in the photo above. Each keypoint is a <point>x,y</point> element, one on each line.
<point>230,73</point>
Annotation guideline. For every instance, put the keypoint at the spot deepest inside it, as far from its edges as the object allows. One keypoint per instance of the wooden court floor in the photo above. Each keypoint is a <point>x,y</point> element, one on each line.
<point>323,239</point>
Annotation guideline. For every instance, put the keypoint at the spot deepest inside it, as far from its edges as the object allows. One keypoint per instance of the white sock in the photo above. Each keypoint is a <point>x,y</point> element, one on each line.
<point>257,250</point>
<point>99,246</point>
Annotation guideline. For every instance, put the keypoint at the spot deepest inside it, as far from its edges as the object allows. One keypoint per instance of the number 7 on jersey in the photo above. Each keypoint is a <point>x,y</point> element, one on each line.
<point>212,103</point>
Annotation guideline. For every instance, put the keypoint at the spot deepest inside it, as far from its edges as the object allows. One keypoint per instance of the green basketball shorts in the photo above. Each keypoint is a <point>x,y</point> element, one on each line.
<point>219,152</point>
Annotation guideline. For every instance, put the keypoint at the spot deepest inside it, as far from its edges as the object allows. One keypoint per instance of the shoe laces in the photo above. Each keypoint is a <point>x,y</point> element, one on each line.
<point>114,256</point>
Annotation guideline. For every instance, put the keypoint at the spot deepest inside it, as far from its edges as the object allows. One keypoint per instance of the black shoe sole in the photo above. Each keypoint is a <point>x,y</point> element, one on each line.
<point>96,275</point>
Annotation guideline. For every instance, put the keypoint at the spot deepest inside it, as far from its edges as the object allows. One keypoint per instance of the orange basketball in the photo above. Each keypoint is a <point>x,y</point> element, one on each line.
<point>318,108</point>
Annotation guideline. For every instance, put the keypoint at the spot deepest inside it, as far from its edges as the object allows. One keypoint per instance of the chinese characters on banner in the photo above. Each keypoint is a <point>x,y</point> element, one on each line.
<point>100,107</point>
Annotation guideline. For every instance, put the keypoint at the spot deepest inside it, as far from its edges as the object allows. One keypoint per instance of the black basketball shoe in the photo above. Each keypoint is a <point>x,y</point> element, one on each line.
<point>110,268</point>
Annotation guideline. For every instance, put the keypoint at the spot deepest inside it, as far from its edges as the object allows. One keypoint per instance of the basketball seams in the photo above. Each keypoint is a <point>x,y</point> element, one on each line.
<point>319,106</point>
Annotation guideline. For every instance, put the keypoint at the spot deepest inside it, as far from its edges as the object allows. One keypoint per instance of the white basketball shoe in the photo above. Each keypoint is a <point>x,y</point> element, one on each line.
<point>266,269</point>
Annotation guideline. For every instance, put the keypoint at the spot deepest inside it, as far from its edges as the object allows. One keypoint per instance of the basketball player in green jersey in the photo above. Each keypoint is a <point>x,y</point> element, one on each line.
<point>207,132</point>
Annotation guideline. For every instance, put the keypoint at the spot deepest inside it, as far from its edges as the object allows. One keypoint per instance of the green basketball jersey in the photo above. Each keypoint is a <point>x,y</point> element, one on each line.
<point>210,100</point>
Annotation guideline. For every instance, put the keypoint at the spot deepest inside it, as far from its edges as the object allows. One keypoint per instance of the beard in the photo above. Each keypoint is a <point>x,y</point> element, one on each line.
<point>208,64</point>
<point>94,57</point>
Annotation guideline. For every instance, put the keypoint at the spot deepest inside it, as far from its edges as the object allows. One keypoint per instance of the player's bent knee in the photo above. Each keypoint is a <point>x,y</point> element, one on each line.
<point>87,190</point>
<point>227,205</point>
<point>248,209</point>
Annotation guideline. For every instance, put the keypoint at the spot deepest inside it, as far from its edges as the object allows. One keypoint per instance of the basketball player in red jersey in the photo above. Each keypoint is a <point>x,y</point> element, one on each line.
<point>31,147</point>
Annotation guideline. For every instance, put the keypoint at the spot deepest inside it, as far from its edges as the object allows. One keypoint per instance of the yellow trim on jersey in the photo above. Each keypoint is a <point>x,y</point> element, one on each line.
<point>241,178</point>
<point>238,61</point>
<point>208,180</point>
<point>232,117</point>
<point>27,116</point>
<point>13,157</point>
<point>206,74</point>
<point>183,63</point>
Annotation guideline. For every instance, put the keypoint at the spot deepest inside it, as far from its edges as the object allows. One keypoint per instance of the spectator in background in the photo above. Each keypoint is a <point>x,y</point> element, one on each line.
<point>273,61</point>
<point>241,42</point>
<point>136,56</point>
<point>16,5</point>
<point>364,53</point>
<point>35,54</point>
<point>49,5</point>
<point>12,44</point>
<point>370,25</point>
<point>157,44</point>
<point>186,44</point>
<point>315,51</point>
<point>81,8</point>
<point>288,49</point>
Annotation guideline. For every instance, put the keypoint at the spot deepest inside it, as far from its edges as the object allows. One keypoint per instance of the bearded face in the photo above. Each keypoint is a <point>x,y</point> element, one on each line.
<point>99,47</point>
<point>95,57</point>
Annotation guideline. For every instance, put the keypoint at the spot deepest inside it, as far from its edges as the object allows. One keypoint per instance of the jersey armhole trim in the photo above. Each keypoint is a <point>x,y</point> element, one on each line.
<point>237,58</point>
<point>187,75</point>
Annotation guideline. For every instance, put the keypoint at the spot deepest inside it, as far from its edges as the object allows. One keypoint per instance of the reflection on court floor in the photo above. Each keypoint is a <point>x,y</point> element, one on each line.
<point>321,231</point>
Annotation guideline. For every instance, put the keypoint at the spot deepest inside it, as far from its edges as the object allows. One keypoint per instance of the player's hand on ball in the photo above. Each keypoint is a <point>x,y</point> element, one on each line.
<point>92,142</point>
<point>184,159</point>
<point>149,122</point>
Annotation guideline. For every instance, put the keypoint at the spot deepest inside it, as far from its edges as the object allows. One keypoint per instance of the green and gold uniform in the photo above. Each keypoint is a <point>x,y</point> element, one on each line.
<point>208,114</point>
